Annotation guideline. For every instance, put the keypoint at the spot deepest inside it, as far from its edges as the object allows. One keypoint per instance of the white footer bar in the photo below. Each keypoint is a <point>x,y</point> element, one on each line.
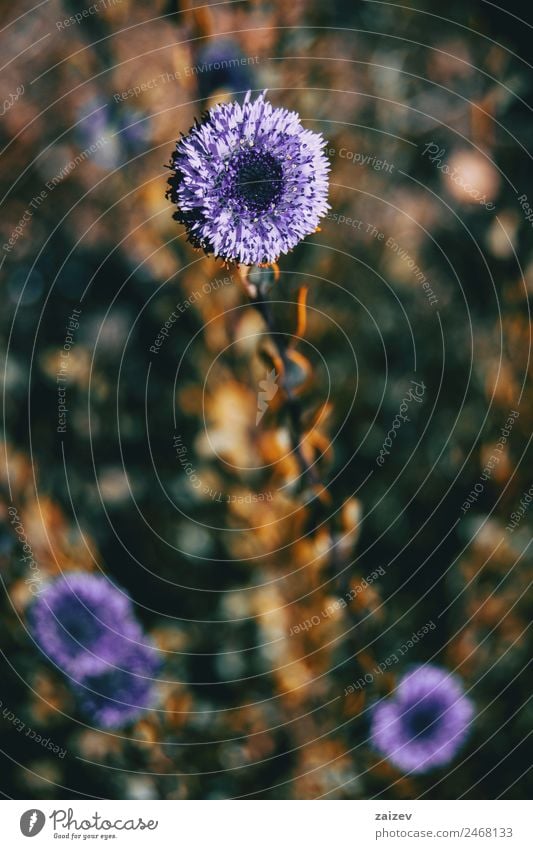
<point>267,824</point>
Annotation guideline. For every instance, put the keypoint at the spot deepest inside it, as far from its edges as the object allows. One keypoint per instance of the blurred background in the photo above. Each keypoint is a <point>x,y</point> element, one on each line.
<point>422,271</point>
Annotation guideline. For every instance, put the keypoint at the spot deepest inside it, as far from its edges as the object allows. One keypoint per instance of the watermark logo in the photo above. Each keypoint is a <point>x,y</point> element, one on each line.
<point>491,464</point>
<point>32,822</point>
<point>412,395</point>
<point>10,100</point>
<point>268,388</point>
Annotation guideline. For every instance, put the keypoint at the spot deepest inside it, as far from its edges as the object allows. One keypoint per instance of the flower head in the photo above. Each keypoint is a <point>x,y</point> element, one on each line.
<point>116,693</point>
<point>249,181</point>
<point>426,721</point>
<point>81,619</point>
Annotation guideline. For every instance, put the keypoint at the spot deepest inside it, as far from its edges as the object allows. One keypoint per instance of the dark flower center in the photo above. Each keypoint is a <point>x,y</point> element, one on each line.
<point>80,626</point>
<point>111,682</point>
<point>422,720</point>
<point>257,180</point>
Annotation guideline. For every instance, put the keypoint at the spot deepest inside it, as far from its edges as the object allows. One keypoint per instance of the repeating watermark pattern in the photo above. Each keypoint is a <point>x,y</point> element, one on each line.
<point>30,733</point>
<point>11,99</point>
<point>491,463</point>
<point>367,228</point>
<point>35,580</point>
<point>194,479</point>
<point>416,395</point>
<point>338,218</point>
<point>339,603</point>
<point>435,155</point>
<point>78,17</point>
<point>197,483</point>
<point>184,73</point>
<point>268,389</point>
<point>183,306</point>
<point>154,82</point>
<point>365,160</point>
<point>220,65</point>
<point>417,271</point>
<point>73,163</point>
<point>526,208</point>
<point>38,199</point>
<point>61,377</point>
<point>391,660</point>
<point>25,219</point>
<point>518,514</point>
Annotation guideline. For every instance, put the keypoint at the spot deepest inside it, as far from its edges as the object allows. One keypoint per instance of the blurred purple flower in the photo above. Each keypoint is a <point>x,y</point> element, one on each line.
<point>220,66</point>
<point>249,181</point>
<point>116,693</point>
<point>81,620</point>
<point>116,132</point>
<point>426,721</point>
<point>134,130</point>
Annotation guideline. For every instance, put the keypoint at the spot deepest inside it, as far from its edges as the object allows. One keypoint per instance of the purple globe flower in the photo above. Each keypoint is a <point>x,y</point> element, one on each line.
<point>83,619</point>
<point>426,721</point>
<point>249,181</point>
<point>116,693</point>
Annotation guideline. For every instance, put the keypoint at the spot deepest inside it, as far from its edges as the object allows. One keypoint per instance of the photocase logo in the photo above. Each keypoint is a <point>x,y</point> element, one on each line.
<point>267,389</point>
<point>32,822</point>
